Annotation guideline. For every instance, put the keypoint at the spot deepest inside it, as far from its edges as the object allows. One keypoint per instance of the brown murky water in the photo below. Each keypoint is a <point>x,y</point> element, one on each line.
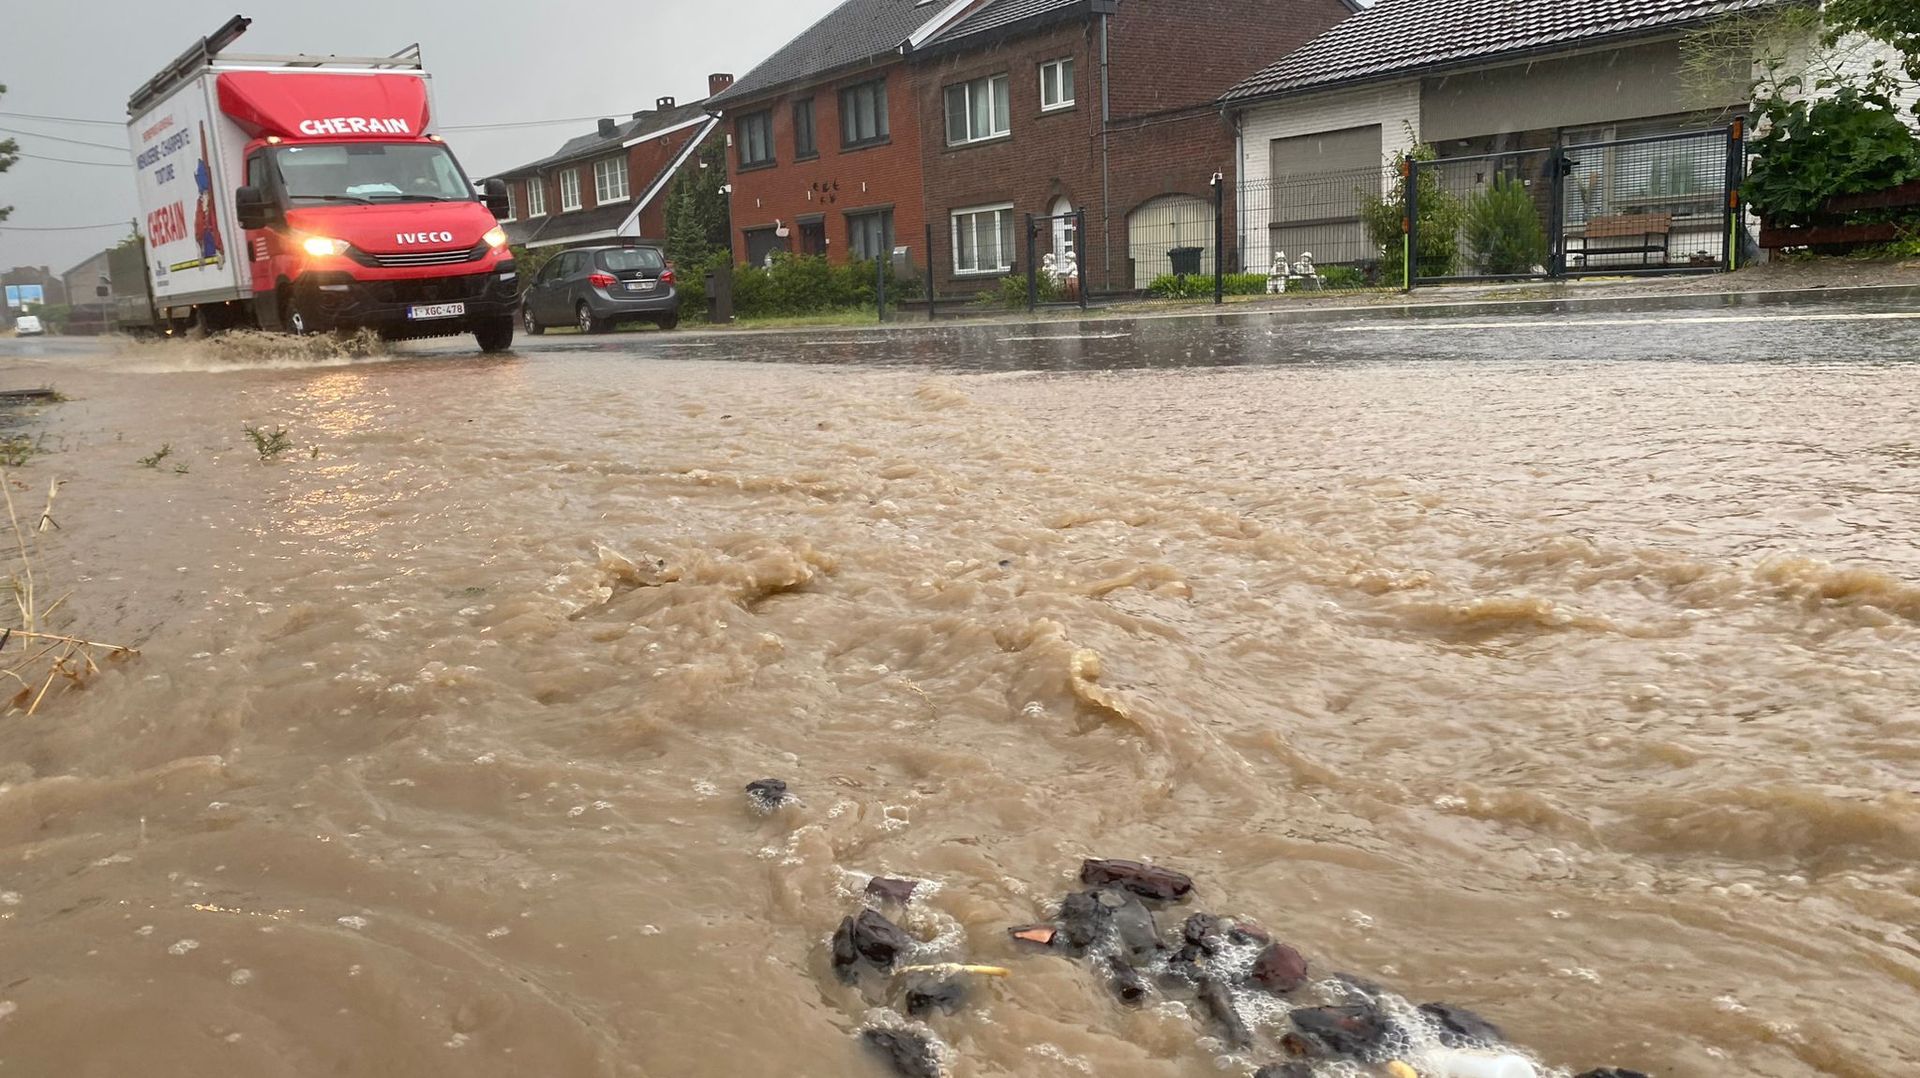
<point>1580,694</point>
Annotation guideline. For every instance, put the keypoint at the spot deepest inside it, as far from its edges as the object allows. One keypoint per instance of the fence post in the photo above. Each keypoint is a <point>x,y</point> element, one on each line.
<point>1219,238</point>
<point>1557,228</point>
<point>1736,175</point>
<point>1080,254</point>
<point>929,271</point>
<point>1410,224</point>
<point>1033,271</point>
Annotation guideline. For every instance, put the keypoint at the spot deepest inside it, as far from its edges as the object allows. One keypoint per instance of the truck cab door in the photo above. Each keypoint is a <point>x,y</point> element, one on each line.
<point>262,247</point>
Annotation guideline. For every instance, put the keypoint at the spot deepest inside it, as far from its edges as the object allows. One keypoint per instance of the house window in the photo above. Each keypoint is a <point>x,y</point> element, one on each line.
<point>762,243</point>
<point>609,180</point>
<point>755,133</point>
<point>977,110</point>
<point>863,114</point>
<point>1056,85</point>
<point>983,239</point>
<point>570,190</point>
<point>803,142</point>
<point>870,234</point>
<point>536,197</point>
<point>513,210</point>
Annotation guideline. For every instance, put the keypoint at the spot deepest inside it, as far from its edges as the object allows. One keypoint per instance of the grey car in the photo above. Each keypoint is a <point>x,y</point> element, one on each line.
<point>597,288</point>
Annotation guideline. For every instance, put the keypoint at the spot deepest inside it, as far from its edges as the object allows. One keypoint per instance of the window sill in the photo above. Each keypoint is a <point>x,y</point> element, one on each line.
<point>961,275</point>
<point>756,166</point>
<point>850,147</point>
<point>1067,106</point>
<point>613,201</point>
<point>814,156</point>
<point>988,141</point>
<point>570,209</point>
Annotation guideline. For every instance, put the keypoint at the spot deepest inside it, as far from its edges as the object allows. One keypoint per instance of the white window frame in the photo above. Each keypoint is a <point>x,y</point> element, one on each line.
<point>997,126</point>
<point>970,212</point>
<point>605,190</point>
<point>537,197</point>
<point>570,190</point>
<point>1062,70</point>
<point>513,211</point>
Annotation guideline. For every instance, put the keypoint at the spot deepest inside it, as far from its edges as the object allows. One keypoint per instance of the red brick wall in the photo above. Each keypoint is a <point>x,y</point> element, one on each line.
<point>837,182</point>
<point>1169,60</point>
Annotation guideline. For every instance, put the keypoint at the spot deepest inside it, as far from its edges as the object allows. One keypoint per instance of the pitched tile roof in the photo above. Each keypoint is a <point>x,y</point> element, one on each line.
<point>593,144</point>
<point>855,32</point>
<point>579,224</point>
<point>1407,37</point>
<point>1002,14</point>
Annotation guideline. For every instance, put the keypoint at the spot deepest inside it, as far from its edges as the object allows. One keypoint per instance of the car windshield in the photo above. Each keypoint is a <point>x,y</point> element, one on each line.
<point>632,258</point>
<point>371,172</point>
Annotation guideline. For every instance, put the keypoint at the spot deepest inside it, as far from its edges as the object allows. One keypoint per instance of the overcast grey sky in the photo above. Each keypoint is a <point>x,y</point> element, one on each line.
<point>491,62</point>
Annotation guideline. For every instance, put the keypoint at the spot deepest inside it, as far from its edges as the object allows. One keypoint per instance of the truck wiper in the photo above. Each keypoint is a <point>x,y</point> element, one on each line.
<point>337,198</point>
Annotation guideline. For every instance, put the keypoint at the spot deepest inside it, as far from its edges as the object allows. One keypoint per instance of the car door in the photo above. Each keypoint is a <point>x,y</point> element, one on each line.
<point>544,295</point>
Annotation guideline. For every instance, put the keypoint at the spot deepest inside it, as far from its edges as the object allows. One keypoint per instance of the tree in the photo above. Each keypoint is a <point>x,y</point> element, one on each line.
<point>1893,22</point>
<point>1441,214</point>
<point>1503,228</point>
<point>9,153</point>
<point>697,223</point>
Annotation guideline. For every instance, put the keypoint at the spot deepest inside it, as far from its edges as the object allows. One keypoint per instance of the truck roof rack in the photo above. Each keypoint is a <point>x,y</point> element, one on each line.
<point>207,53</point>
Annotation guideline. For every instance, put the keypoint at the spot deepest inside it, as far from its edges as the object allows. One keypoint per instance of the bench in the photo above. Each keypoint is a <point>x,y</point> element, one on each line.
<point>1643,234</point>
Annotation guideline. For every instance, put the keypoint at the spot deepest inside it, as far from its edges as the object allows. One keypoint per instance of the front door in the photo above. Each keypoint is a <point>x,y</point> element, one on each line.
<point>813,237</point>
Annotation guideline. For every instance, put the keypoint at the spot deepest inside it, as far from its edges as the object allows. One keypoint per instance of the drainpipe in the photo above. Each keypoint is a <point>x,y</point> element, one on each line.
<point>1239,191</point>
<point>1106,177</point>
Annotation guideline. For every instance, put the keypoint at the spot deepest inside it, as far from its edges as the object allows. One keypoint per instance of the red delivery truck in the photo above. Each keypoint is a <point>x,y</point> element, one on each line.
<point>307,194</point>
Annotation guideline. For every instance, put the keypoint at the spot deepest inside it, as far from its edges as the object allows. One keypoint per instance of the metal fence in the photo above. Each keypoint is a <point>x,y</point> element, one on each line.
<point>1656,205</point>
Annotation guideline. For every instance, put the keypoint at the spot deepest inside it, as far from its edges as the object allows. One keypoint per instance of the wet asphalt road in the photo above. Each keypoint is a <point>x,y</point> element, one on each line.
<point>1874,326</point>
<point>1867,326</point>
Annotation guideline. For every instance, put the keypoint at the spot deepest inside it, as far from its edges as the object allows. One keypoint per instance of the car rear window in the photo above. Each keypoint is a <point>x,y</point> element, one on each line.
<point>633,258</point>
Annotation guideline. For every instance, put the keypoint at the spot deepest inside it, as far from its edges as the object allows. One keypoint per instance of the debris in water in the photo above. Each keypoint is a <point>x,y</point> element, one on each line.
<point>1611,1072</point>
<point>1456,1063</point>
<point>1083,921</point>
<point>1147,881</point>
<point>1358,1030</point>
<point>767,794</point>
<point>1399,1069</point>
<point>1280,969</point>
<point>1040,934</point>
<point>1127,982</point>
<point>888,889</point>
<point>927,993</point>
<point>911,1054</point>
<point>869,936</point>
<point>1202,931</point>
<point>951,968</point>
<point>1218,1003</point>
<point>1294,1069</point>
<point>1461,1028</point>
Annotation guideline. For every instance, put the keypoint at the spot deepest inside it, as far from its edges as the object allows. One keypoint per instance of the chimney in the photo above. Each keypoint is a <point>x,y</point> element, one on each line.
<point>663,104</point>
<point>608,128</point>
<point>718,82</point>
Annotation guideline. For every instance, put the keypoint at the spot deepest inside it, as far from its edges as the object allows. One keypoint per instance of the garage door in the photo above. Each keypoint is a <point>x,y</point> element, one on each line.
<point>1318,184</point>
<point>1164,225</point>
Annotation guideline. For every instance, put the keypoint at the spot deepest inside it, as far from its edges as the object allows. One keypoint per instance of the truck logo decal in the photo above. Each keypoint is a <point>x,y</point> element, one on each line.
<point>424,237</point>
<point>356,125</point>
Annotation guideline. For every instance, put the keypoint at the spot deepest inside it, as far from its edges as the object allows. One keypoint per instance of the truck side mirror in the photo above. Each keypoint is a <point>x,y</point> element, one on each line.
<point>496,199</point>
<point>253,207</point>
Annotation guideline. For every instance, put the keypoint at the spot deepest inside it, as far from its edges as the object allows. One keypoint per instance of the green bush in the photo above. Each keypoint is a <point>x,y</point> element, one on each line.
<point>1440,216</point>
<point>809,284</point>
<point>1851,142</point>
<point>1503,228</point>
<point>1010,292</point>
<point>1339,277</point>
<point>1189,286</point>
<point>1245,284</point>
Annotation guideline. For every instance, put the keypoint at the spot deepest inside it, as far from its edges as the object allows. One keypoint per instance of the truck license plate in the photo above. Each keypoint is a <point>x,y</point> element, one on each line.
<point>639,286</point>
<point>436,310</point>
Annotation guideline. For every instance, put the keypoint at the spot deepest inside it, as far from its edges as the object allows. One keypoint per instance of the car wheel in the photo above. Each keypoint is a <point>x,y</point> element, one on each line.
<point>532,324</point>
<point>668,321</point>
<point>587,322</point>
<point>494,334</point>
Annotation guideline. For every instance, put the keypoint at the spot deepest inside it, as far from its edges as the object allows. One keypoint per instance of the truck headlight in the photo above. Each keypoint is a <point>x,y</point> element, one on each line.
<point>496,237</point>
<point>322,247</point>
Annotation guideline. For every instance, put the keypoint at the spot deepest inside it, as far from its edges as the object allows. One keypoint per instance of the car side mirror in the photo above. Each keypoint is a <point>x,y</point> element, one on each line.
<point>496,199</point>
<point>253,207</point>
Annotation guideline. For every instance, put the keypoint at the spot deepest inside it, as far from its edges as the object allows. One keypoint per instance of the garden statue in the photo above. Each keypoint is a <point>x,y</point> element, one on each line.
<point>1278,273</point>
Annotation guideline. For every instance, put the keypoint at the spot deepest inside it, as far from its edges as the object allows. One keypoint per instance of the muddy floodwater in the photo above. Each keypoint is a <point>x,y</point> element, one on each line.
<point>1567,676</point>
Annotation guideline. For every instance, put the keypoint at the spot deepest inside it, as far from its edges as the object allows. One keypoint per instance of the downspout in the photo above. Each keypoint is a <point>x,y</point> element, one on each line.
<point>1239,189</point>
<point>1106,177</point>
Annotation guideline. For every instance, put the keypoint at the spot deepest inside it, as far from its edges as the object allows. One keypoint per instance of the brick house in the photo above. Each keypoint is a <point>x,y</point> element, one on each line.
<point>826,133</point>
<point>1020,115</point>
<point>611,182</point>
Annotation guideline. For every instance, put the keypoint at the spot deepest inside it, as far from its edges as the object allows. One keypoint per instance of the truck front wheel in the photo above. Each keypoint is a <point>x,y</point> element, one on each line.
<point>494,334</point>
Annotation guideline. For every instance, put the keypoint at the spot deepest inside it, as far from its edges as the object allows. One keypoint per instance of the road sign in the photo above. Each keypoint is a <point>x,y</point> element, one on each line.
<point>19,296</point>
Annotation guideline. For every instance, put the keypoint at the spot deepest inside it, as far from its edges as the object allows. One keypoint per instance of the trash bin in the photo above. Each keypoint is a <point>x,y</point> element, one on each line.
<point>720,296</point>
<point>1186,260</point>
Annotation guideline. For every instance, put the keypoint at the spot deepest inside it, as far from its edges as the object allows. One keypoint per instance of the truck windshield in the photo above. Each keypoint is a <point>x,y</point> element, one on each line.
<point>371,172</point>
